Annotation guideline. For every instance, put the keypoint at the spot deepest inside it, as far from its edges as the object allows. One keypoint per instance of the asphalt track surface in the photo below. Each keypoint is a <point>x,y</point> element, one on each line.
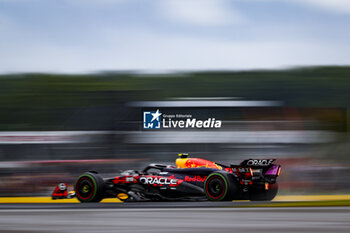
<point>167,217</point>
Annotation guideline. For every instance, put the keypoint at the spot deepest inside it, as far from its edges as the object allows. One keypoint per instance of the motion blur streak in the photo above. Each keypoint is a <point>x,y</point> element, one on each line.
<point>265,220</point>
<point>184,104</point>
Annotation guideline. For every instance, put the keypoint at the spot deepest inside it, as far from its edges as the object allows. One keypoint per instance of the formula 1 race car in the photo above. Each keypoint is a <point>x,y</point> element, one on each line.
<point>191,179</point>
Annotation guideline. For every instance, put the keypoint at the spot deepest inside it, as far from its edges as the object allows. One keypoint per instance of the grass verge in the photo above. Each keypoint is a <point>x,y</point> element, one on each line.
<point>301,204</point>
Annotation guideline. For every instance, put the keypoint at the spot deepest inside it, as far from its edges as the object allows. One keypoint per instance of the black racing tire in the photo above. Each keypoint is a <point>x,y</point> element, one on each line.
<point>89,187</point>
<point>260,194</point>
<point>220,186</point>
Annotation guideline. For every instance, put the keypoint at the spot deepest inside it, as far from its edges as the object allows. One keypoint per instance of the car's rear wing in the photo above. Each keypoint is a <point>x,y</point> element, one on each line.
<point>261,166</point>
<point>258,162</point>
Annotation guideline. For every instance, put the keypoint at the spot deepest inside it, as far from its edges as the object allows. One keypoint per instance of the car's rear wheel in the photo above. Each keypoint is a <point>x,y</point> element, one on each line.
<point>89,187</point>
<point>219,186</point>
<point>261,194</point>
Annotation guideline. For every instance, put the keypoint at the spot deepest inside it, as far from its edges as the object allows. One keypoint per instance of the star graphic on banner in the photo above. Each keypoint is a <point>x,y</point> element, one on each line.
<point>156,115</point>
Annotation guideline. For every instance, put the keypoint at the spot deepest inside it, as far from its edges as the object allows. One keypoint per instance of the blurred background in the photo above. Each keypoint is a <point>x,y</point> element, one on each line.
<point>54,127</point>
<point>75,77</point>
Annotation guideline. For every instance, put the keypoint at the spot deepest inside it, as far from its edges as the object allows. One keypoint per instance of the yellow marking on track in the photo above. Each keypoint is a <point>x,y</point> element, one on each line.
<point>113,200</point>
<point>47,200</point>
<point>312,197</point>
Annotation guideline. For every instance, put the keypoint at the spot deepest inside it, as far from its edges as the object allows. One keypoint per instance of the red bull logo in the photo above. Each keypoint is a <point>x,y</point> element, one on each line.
<point>195,178</point>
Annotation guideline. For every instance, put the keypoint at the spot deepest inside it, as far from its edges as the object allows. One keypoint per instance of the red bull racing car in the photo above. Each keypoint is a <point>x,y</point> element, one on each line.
<point>191,179</point>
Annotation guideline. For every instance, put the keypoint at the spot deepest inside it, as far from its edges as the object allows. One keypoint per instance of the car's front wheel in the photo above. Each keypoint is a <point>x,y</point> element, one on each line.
<point>89,187</point>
